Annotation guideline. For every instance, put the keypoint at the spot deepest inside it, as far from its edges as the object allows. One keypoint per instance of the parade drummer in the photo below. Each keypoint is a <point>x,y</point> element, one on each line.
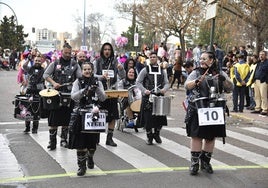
<point>35,85</point>
<point>61,74</point>
<point>146,83</point>
<point>208,83</point>
<point>126,83</point>
<point>107,70</point>
<point>86,92</point>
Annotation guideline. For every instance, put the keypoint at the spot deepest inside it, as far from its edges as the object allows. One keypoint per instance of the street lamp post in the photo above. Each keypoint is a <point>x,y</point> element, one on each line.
<point>84,26</point>
<point>12,11</point>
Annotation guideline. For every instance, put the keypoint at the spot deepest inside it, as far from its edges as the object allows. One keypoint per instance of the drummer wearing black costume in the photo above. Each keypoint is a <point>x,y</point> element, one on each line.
<point>35,84</point>
<point>205,118</point>
<point>150,86</point>
<point>86,92</point>
<point>107,69</point>
<point>61,74</point>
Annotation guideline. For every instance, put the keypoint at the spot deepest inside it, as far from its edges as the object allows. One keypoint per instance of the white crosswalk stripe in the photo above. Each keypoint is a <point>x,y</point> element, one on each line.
<point>233,150</point>
<point>249,139</point>
<point>257,130</point>
<point>133,156</point>
<point>65,157</point>
<point>140,160</point>
<point>178,149</point>
<point>9,167</point>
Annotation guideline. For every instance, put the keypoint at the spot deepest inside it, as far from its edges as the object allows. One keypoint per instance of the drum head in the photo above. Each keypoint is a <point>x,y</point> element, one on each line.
<point>116,93</point>
<point>136,106</point>
<point>48,93</point>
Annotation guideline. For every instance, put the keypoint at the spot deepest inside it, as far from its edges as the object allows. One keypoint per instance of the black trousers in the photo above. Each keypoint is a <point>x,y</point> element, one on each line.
<point>239,95</point>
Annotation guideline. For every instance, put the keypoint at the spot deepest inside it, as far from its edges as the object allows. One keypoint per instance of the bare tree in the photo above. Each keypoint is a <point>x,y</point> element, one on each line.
<point>253,13</point>
<point>99,28</point>
<point>165,18</point>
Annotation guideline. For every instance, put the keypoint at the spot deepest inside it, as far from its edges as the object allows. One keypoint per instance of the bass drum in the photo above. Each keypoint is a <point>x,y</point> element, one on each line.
<point>134,98</point>
<point>26,108</point>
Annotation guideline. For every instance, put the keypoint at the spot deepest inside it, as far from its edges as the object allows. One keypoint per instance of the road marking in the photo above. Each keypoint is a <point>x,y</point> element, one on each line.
<point>133,156</point>
<point>233,150</point>
<point>257,130</point>
<point>247,139</point>
<point>9,166</point>
<point>60,154</point>
<point>20,122</point>
<point>177,149</point>
<point>125,171</point>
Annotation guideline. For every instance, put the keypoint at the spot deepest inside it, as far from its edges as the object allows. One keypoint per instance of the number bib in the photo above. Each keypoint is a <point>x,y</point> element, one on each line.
<point>97,126</point>
<point>211,116</point>
<point>110,73</point>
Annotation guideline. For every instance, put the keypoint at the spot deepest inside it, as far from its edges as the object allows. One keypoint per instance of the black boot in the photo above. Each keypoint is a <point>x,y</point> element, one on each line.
<point>81,161</point>
<point>109,139</point>
<point>157,136</point>
<point>194,162</point>
<point>90,162</point>
<point>150,138</point>
<point>52,139</point>
<point>64,135</point>
<point>35,127</point>
<point>205,162</point>
<point>27,127</point>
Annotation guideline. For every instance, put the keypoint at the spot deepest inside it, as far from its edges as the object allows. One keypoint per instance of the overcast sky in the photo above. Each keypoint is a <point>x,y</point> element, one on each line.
<point>58,15</point>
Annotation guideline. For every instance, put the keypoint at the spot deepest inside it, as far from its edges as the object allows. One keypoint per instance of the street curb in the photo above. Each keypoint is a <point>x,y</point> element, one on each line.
<point>251,120</point>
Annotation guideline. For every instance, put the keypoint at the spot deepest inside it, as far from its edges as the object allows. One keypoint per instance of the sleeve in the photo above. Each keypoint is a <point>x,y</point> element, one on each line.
<point>192,76</point>
<point>121,84</point>
<point>166,82</point>
<point>49,71</point>
<point>100,92</point>
<point>78,72</point>
<point>76,93</point>
<point>227,84</point>
<point>140,79</point>
<point>122,72</point>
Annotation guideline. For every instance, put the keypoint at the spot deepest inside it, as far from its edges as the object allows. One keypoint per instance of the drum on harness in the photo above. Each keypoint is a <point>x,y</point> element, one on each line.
<point>134,98</point>
<point>50,99</point>
<point>65,99</point>
<point>26,108</point>
<point>93,122</point>
<point>161,105</point>
<point>210,111</point>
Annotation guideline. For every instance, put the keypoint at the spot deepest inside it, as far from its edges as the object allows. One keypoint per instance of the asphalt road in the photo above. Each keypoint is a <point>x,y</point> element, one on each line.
<point>25,162</point>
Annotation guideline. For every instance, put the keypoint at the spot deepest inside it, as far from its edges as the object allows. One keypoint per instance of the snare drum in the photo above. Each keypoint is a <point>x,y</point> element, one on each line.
<point>26,109</point>
<point>50,99</point>
<point>201,102</point>
<point>134,98</point>
<point>161,105</point>
<point>65,99</point>
<point>90,124</point>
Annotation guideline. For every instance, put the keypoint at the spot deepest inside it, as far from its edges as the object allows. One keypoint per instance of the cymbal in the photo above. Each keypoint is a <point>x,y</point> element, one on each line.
<point>48,92</point>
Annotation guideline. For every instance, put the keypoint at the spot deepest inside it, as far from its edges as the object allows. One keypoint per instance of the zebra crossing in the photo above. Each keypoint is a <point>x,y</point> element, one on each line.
<point>139,157</point>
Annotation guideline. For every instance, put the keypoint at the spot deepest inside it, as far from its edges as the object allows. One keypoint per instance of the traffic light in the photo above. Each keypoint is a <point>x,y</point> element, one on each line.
<point>33,30</point>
